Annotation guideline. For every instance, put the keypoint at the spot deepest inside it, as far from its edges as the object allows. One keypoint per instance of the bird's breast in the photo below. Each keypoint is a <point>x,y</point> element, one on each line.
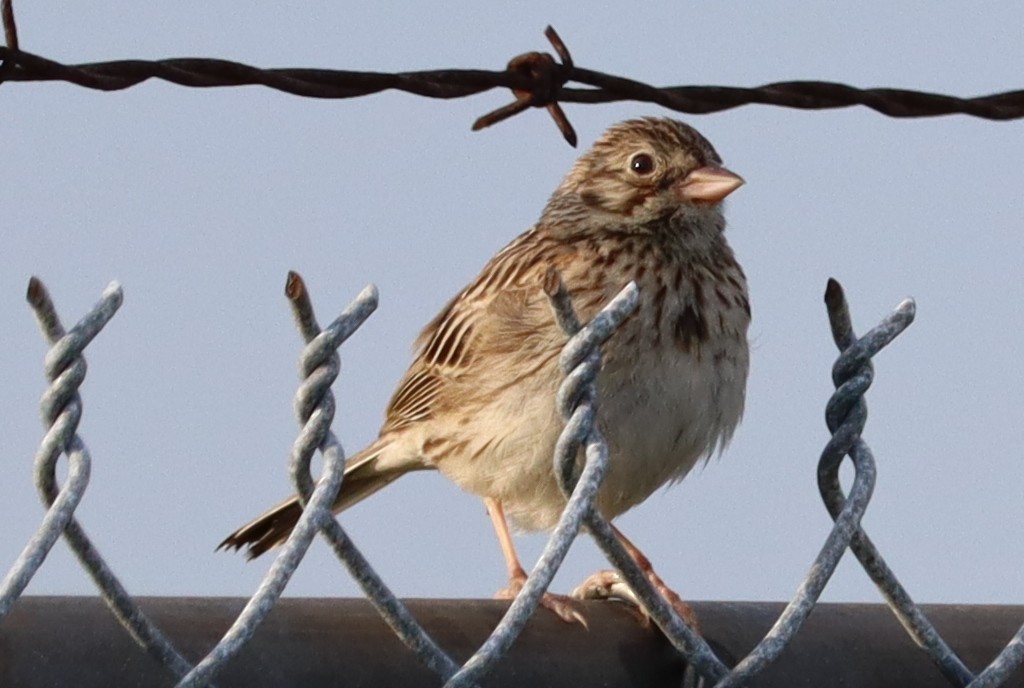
<point>673,384</point>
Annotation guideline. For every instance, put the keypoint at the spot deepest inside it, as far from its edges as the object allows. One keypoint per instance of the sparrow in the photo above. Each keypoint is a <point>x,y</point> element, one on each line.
<point>644,204</point>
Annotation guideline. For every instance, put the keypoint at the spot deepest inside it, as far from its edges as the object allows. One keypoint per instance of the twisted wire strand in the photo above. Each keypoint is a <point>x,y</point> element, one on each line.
<point>845,441</point>
<point>319,356</point>
<point>61,409</point>
<point>852,373</point>
<point>458,83</point>
<point>580,360</point>
<point>535,78</point>
<point>314,407</point>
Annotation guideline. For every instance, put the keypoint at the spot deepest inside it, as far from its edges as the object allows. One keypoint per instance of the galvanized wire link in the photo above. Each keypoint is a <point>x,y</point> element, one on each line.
<point>314,405</point>
<point>315,408</point>
<point>846,441</point>
<point>577,402</point>
<point>852,374</point>
<point>1005,663</point>
<point>62,410</point>
<point>580,361</point>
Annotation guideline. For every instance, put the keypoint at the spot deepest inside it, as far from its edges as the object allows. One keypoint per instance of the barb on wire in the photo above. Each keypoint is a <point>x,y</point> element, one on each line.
<point>10,37</point>
<point>549,76</point>
<point>10,28</point>
<point>536,80</point>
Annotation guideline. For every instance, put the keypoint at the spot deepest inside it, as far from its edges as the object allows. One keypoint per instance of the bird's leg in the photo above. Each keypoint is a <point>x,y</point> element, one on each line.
<point>561,605</point>
<point>609,584</point>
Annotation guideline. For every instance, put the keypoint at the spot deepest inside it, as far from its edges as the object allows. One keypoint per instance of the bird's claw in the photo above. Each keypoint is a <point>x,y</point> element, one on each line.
<point>564,607</point>
<point>606,585</point>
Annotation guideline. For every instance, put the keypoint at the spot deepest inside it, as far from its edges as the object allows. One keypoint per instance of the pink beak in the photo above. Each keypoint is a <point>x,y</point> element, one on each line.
<point>709,184</point>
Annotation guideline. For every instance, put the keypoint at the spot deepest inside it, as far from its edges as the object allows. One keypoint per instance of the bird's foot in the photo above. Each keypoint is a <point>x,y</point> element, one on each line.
<point>605,585</point>
<point>562,605</point>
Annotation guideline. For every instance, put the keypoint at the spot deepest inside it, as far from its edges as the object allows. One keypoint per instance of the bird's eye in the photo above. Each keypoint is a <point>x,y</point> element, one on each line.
<point>642,164</point>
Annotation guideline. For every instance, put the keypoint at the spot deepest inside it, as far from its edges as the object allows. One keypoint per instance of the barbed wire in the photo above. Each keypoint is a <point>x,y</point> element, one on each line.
<point>535,78</point>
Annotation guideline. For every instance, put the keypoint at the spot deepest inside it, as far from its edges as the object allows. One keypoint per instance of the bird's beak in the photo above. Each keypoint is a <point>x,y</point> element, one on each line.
<point>710,184</point>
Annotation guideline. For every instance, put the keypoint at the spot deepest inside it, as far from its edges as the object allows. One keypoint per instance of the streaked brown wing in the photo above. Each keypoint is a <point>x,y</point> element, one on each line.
<point>499,313</point>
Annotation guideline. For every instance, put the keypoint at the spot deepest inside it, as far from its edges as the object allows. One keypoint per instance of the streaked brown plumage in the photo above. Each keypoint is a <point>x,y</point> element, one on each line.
<point>477,403</point>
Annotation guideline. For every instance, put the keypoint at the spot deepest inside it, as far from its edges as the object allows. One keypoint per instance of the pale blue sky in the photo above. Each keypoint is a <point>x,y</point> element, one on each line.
<point>199,201</point>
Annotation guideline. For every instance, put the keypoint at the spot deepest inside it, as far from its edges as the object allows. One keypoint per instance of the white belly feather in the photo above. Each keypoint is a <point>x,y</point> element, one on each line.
<point>660,415</point>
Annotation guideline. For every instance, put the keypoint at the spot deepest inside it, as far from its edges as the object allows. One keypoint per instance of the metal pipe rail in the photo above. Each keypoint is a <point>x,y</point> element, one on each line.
<point>315,643</point>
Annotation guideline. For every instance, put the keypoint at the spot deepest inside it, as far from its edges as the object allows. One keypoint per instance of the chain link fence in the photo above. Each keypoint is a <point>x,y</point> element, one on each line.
<point>846,414</point>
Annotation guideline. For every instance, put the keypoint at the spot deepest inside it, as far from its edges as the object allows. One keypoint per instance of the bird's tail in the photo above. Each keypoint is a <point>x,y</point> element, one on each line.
<point>364,475</point>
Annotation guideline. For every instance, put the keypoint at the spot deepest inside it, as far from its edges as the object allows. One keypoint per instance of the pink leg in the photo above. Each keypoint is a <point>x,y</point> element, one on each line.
<point>561,605</point>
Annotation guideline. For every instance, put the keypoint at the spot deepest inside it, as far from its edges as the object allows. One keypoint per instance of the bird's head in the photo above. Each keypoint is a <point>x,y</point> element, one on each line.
<point>646,170</point>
